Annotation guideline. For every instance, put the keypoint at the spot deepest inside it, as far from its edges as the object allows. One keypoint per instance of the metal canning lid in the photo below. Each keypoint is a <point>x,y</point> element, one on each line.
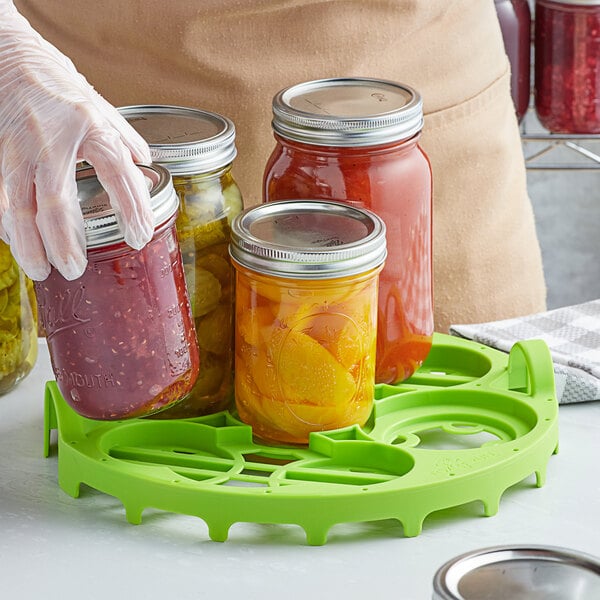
<point>187,141</point>
<point>519,573</point>
<point>100,221</point>
<point>308,239</point>
<point>347,112</point>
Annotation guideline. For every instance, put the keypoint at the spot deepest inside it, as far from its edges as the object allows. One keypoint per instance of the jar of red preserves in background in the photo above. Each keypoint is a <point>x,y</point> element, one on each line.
<point>121,337</point>
<point>515,23</point>
<point>356,140</point>
<point>567,65</point>
<point>198,148</point>
<point>306,316</point>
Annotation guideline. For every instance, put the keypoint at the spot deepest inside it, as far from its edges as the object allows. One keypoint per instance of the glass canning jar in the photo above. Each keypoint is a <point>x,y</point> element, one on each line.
<point>18,322</point>
<point>198,149</point>
<point>515,23</point>
<point>567,65</point>
<point>306,316</point>
<point>121,337</point>
<point>356,140</point>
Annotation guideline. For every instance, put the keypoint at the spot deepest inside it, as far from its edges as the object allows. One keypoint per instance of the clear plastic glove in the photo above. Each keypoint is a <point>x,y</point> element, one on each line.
<point>50,118</point>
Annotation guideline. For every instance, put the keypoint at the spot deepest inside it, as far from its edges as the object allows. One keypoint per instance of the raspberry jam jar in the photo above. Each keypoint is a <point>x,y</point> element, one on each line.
<point>515,23</point>
<point>356,141</point>
<point>306,316</point>
<point>121,337</point>
<point>198,149</point>
<point>567,65</point>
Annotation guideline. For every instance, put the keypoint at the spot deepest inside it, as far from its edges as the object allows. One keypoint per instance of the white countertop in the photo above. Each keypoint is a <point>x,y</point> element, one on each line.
<point>55,546</point>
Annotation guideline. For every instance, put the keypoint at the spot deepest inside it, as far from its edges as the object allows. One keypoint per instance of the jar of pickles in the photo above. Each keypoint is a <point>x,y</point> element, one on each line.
<point>515,22</point>
<point>356,140</point>
<point>306,310</point>
<point>198,148</point>
<point>18,322</point>
<point>121,337</point>
<point>567,65</point>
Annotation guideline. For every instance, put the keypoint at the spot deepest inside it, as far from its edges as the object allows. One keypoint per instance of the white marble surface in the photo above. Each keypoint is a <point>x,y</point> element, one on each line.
<point>55,546</point>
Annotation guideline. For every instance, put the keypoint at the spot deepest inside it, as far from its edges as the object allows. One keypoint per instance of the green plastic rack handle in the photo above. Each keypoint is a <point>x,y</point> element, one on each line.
<point>470,423</point>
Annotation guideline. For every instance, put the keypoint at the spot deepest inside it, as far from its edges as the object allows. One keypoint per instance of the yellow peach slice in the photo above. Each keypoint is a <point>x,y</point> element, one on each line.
<point>308,373</point>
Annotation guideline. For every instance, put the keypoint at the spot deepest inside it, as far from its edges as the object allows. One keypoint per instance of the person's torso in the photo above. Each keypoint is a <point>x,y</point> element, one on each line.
<point>232,56</point>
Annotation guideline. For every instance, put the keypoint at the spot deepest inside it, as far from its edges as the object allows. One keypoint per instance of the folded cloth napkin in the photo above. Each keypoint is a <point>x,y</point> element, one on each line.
<point>573,337</point>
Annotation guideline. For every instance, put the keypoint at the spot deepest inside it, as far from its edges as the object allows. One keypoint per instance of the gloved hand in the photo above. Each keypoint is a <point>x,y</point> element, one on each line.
<point>50,118</point>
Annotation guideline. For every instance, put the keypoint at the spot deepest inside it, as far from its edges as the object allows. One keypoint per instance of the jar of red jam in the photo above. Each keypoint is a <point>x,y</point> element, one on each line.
<point>121,337</point>
<point>198,149</point>
<point>356,140</point>
<point>306,316</point>
<point>515,23</point>
<point>567,65</point>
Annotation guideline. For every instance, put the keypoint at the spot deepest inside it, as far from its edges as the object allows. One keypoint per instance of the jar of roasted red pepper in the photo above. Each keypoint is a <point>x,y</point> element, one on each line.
<point>198,149</point>
<point>356,140</point>
<point>306,316</point>
<point>567,65</point>
<point>121,337</point>
<point>515,23</point>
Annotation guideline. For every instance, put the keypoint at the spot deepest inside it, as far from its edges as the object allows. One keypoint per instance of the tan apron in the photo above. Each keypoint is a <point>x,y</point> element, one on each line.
<point>232,56</point>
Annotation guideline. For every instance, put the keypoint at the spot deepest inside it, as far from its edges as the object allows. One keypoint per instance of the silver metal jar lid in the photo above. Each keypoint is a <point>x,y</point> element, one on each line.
<point>519,573</point>
<point>308,239</point>
<point>186,141</point>
<point>347,112</point>
<point>100,220</point>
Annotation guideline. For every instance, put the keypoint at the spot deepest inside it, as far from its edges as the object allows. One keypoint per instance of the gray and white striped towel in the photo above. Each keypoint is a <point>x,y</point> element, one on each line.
<point>573,337</point>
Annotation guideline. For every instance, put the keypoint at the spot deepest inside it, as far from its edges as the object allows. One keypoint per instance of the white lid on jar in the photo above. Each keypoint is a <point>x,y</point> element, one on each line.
<point>348,112</point>
<point>187,141</point>
<point>100,220</point>
<point>308,239</point>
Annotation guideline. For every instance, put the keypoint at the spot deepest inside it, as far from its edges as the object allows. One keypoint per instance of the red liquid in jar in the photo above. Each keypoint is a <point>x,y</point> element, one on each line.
<point>567,66</point>
<point>121,337</point>
<point>394,181</point>
<point>515,23</point>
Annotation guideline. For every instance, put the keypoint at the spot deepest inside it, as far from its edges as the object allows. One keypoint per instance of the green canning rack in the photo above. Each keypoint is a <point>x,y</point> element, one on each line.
<point>470,423</point>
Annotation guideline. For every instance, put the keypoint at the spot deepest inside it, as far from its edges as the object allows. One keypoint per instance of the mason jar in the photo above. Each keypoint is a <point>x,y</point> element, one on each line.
<point>306,316</point>
<point>121,336</point>
<point>18,322</point>
<point>515,22</point>
<point>198,149</point>
<point>567,65</point>
<point>355,140</point>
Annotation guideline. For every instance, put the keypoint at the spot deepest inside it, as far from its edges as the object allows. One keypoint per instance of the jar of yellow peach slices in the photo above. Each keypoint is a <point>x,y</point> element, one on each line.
<point>306,316</point>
